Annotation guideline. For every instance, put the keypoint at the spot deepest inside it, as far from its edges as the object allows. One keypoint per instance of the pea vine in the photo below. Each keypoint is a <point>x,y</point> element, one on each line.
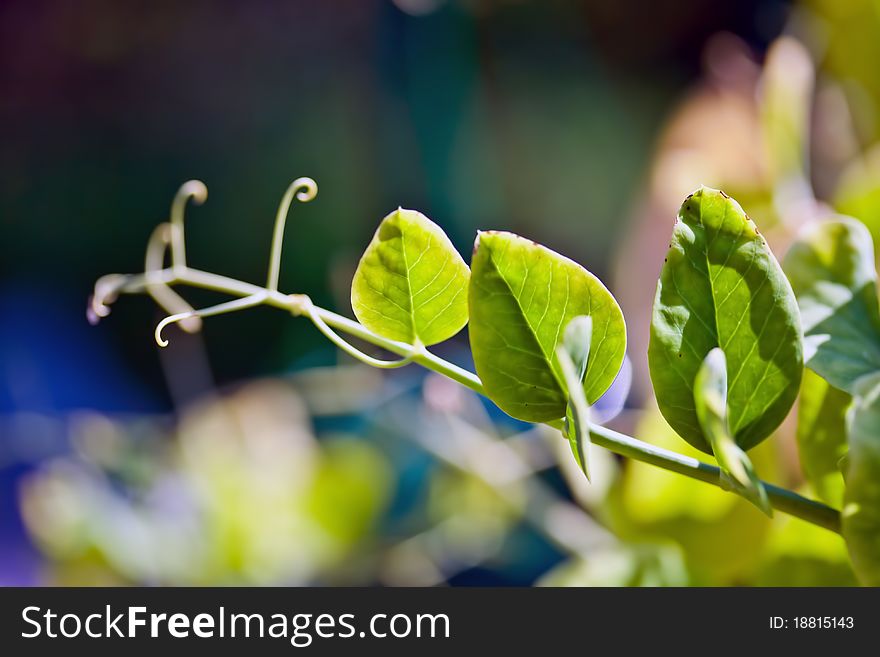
<point>726,354</point>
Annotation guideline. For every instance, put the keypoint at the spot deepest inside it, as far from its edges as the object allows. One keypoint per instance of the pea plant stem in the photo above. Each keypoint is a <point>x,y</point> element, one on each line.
<point>781,499</point>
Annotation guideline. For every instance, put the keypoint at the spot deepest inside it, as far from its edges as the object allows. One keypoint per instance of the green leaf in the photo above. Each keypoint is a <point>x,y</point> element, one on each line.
<point>573,355</point>
<point>821,436</point>
<point>831,268</point>
<point>576,340</point>
<point>710,399</point>
<point>521,297</point>
<point>860,519</point>
<point>411,283</point>
<point>721,287</point>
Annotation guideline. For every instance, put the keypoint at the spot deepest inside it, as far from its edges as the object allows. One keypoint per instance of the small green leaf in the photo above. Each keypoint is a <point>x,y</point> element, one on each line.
<point>860,519</point>
<point>576,341</point>
<point>411,283</point>
<point>710,399</point>
<point>831,268</point>
<point>821,435</point>
<point>721,287</point>
<point>521,297</point>
<point>573,355</point>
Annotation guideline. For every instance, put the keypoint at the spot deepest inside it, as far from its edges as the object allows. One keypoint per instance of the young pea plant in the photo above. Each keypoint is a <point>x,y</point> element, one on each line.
<point>548,338</point>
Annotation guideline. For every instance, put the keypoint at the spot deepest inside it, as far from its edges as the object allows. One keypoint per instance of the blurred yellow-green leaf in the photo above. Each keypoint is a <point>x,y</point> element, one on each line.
<point>861,498</point>
<point>821,436</point>
<point>721,534</point>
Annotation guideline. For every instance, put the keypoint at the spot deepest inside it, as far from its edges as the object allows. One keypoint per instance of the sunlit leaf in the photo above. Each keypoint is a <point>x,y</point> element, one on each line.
<point>710,397</point>
<point>861,502</point>
<point>522,296</point>
<point>821,436</point>
<point>573,356</point>
<point>831,268</point>
<point>411,283</point>
<point>722,287</point>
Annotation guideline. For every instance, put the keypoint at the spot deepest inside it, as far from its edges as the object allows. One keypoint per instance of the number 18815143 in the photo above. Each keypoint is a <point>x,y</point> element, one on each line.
<point>813,622</point>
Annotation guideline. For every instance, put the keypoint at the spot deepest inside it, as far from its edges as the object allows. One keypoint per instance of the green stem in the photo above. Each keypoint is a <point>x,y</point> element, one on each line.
<point>782,499</point>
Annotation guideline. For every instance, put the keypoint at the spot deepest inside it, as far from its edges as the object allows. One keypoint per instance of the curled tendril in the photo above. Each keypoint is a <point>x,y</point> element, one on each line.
<point>106,291</point>
<point>301,304</point>
<point>219,309</point>
<point>161,293</point>
<point>305,189</point>
<point>192,189</point>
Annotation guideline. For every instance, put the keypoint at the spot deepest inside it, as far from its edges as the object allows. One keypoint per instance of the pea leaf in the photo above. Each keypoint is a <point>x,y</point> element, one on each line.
<point>410,284</point>
<point>521,297</point>
<point>831,268</point>
<point>721,287</point>
<point>860,519</point>
<point>573,355</point>
<point>576,341</point>
<point>710,399</point>
<point>821,435</point>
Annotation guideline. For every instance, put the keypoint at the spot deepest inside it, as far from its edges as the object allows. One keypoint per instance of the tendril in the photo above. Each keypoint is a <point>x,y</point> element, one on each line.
<point>301,304</point>
<point>305,190</point>
<point>161,293</point>
<point>106,291</point>
<point>192,189</point>
<point>219,309</point>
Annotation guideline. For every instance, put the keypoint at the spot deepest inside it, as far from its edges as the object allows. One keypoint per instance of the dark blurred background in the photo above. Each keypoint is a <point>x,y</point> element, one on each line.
<point>538,117</point>
<point>530,116</point>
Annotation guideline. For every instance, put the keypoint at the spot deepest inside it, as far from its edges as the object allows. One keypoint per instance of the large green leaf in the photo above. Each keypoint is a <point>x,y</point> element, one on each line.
<point>861,502</point>
<point>411,283</point>
<point>710,398</point>
<point>722,287</point>
<point>522,296</point>
<point>821,435</point>
<point>831,268</point>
